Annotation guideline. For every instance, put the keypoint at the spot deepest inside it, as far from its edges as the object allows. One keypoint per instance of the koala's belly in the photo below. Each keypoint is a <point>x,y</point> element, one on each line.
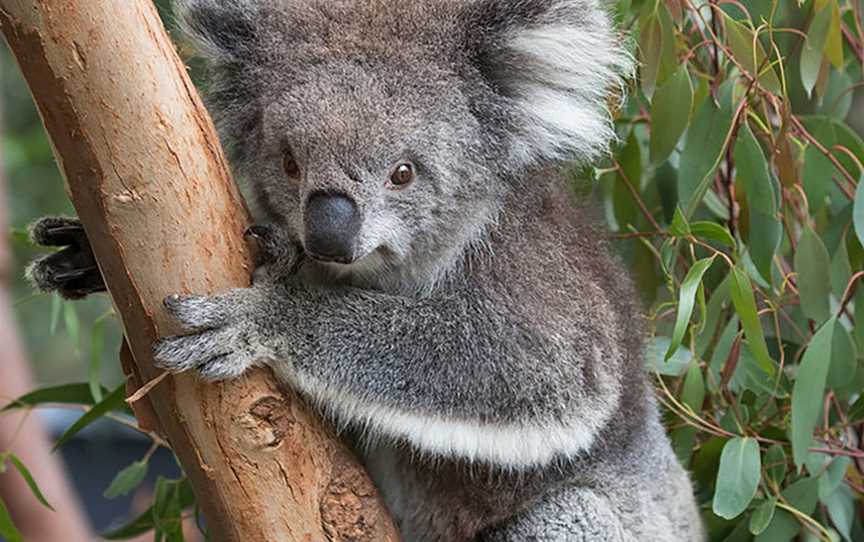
<point>437,500</point>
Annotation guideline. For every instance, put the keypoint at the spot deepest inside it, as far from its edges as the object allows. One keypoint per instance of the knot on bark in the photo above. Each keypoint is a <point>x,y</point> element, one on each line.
<point>273,416</point>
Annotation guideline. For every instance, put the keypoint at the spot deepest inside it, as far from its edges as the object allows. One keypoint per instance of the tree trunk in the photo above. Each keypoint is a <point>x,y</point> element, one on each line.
<point>149,181</point>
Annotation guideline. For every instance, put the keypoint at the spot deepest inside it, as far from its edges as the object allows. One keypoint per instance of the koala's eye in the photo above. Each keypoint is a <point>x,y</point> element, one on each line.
<point>290,165</point>
<point>403,175</point>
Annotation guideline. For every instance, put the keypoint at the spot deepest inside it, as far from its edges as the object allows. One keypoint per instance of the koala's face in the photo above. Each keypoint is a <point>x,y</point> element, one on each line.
<point>387,134</point>
<point>368,158</point>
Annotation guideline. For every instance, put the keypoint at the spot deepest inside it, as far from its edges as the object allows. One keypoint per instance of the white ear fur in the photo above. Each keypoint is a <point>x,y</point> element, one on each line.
<point>564,88</point>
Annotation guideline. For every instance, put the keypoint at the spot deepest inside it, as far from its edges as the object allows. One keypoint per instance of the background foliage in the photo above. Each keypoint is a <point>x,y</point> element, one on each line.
<point>734,197</point>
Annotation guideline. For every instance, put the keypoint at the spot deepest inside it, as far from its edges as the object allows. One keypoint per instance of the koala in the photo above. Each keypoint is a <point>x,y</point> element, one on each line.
<point>428,279</point>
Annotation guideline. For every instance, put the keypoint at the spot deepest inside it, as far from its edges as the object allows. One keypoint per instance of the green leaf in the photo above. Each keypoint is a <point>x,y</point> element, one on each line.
<point>834,40</point>
<point>127,480</point>
<point>693,392</point>
<point>97,341</point>
<point>809,391</point>
<point>753,59</point>
<point>741,292</point>
<point>783,528</point>
<point>856,413</point>
<point>738,477</point>
<point>138,526</point>
<point>812,52</point>
<point>858,213</point>
<point>651,49</point>
<point>766,230</point>
<point>832,479</point>
<point>841,269</point>
<point>844,355</point>
<point>762,516</point>
<point>686,301</point>
<point>859,322</point>
<point>73,327</point>
<point>715,313</point>
<point>670,114</point>
<point>28,478</point>
<point>706,145</point>
<point>149,518</point>
<point>711,231</point>
<point>67,394</point>
<point>834,134</point>
<point>775,464</point>
<point>56,306</point>
<point>630,159</point>
<point>813,266</point>
<point>7,527</point>
<point>841,508</point>
<point>837,102</point>
<point>679,226</point>
<point>655,360</point>
<point>116,400</point>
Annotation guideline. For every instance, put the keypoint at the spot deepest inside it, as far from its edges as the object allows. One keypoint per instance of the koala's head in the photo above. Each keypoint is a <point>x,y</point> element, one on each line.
<point>387,134</point>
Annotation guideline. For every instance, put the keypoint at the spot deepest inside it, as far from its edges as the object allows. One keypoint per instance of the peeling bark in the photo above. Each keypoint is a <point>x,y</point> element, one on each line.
<point>149,181</point>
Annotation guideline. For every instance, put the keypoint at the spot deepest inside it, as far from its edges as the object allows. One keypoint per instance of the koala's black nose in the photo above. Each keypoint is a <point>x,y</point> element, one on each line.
<point>332,225</point>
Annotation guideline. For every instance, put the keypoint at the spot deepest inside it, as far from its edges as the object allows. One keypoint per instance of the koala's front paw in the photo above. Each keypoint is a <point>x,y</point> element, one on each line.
<point>72,272</point>
<point>278,257</point>
<point>224,341</point>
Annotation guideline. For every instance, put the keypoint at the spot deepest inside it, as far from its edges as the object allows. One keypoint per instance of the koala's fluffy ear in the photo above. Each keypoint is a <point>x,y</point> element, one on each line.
<point>221,30</point>
<point>552,64</point>
<point>225,33</point>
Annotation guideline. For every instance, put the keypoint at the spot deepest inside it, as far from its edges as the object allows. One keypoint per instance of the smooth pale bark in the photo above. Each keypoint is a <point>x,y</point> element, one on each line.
<point>149,181</point>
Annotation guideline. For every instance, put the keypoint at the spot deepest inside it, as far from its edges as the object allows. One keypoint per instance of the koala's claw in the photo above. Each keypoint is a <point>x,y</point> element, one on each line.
<point>72,272</point>
<point>221,345</point>
<point>277,256</point>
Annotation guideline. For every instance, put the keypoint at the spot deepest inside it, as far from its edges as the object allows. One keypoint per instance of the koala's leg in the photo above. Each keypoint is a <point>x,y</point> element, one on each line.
<point>567,515</point>
<point>72,271</point>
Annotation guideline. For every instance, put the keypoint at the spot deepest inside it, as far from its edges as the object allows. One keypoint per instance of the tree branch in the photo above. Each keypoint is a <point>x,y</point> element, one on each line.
<point>149,181</point>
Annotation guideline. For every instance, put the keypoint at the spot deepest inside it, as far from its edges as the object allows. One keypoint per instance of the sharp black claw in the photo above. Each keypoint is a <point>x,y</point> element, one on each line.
<point>76,274</point>
<point>257,233</point>
<point>65,230</point>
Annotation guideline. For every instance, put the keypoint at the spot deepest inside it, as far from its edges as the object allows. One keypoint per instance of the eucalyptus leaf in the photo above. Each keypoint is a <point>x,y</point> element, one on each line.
<point>70,394</point>
<point>687,300</point>
<point>813,266</point>
<point>114,401</point>
<point>809,390</point>
<point>126,480</point>
<point>765,229</point>
<point>741,292</point>
<point>7,527</point>
<point>738,477</point>
<point>671,107</point>
<point>705,146</point>
<point>762,516</point>
<point>28,479</point>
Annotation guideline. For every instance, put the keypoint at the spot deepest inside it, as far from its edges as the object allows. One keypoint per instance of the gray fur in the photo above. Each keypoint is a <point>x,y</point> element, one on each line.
<point>483,350</point>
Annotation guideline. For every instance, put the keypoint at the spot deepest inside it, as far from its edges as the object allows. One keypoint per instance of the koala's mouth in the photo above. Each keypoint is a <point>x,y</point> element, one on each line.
<point>359,263</point>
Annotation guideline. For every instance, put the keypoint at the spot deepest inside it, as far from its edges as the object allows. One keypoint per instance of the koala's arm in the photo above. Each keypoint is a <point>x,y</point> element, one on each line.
<point>465,373</point>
